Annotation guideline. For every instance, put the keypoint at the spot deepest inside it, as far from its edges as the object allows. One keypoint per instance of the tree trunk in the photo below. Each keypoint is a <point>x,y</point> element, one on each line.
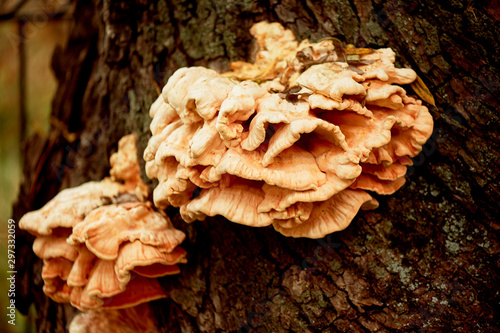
<point>425,260</point>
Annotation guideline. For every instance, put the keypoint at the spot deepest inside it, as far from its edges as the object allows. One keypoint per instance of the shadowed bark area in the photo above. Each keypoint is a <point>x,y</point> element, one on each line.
<point>425,260</point>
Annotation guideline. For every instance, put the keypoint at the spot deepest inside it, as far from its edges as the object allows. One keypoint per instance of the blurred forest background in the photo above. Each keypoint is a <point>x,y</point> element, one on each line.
<point>30,31</point>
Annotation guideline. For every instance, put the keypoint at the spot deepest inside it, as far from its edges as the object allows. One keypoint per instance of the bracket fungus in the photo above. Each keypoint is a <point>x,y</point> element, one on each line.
<point>294,139</point>
<point>102,245</point>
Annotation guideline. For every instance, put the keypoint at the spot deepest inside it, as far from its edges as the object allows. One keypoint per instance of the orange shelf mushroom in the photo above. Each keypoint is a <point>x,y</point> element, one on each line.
<point>102,245</point>
<point>294,139</point>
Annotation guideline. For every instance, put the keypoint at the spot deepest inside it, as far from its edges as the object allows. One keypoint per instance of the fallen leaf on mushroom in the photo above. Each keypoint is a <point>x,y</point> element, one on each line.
<point>295,139</point>
<point>102,244</point>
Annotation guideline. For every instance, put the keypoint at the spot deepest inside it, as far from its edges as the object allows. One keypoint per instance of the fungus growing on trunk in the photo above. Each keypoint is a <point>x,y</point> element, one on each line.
<point>294,139</point>
<point>128,320</point>
<point>102,245</point>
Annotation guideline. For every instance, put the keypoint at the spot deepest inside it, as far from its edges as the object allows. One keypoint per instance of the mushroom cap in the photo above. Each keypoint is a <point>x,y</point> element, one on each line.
<point>70,206</point>
<point>57,289</point>
<point>239,105</point>
<point>47,247</point>
<point>125,166</point>
<point>206,95</point>
<point>177,145</point>
<point>333,80</point>
<point>57,267</point>
<point>206,146</point>
<point>175,91</point>
<point>275,45</point>
<point>156,140</point>
<point>148,261</point>
<point>282,173</point>
<point>106,228</point>
<point>139,290</point>
<point>237,203</point>
<point>81,268</point>
<point>331,215</point>
<point>292,120</point>
<point>382,68</point>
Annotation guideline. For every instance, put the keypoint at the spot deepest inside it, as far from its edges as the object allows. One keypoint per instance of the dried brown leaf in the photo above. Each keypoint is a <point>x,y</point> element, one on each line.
<point>422,91</point>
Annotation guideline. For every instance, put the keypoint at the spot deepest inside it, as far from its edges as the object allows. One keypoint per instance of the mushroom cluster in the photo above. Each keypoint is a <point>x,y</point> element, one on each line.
<point>294,139</point>
<point>102,245</point>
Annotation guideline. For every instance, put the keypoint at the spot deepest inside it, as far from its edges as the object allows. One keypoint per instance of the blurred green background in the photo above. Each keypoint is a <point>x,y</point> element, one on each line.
<point>46,25</point>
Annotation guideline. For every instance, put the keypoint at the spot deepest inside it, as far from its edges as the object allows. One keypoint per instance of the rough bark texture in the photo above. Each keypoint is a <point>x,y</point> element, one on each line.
<point>426,260</point>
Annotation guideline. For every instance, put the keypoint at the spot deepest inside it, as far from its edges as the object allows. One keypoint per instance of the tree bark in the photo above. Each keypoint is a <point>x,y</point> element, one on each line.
<point>425,260</point>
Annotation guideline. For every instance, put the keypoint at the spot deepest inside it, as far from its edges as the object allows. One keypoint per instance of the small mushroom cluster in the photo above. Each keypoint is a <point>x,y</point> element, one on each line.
<point>292,140</point>
<point>103,246</point>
